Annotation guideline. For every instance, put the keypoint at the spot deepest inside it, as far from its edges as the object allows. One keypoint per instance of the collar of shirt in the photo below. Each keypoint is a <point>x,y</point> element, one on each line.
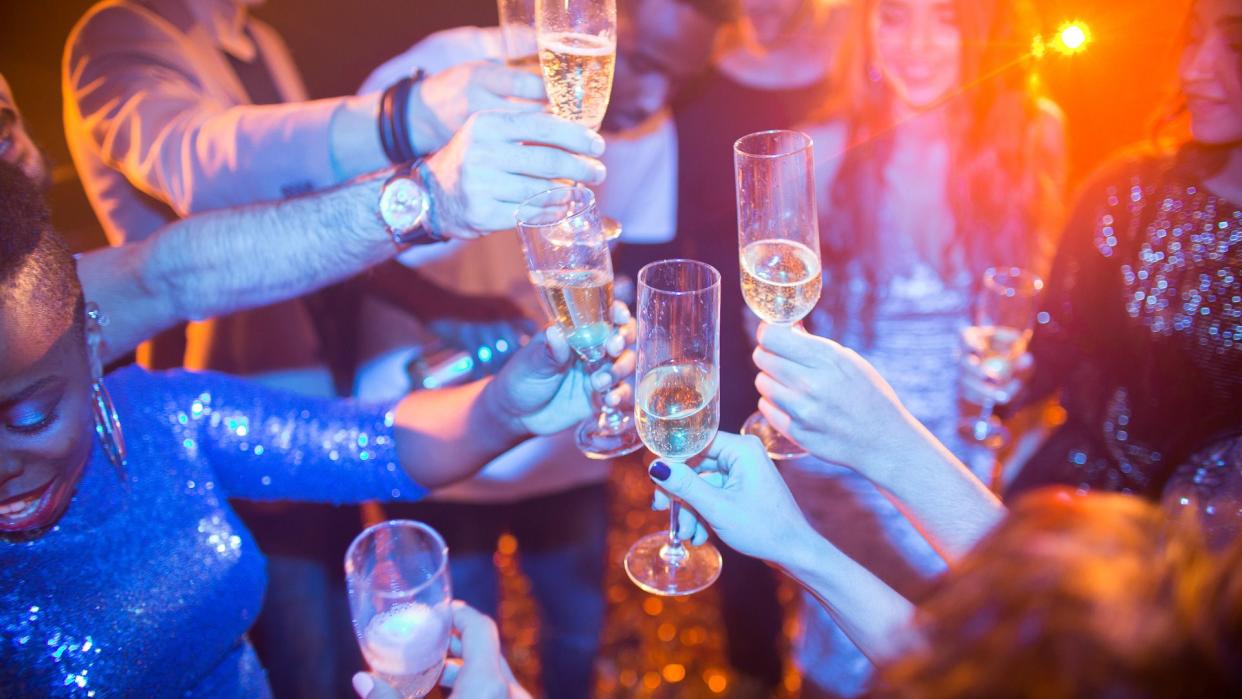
<point>224,21</point>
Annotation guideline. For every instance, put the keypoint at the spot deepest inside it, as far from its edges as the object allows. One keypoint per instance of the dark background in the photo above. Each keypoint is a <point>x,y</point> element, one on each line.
<point>1109,93</point>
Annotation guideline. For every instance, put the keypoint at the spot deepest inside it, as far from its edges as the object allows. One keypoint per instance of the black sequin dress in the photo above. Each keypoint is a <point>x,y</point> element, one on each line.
<point>1141,333</point>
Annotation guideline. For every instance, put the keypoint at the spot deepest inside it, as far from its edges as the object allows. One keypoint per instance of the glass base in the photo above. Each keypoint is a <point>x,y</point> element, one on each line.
<point>652,568</point>
<point>600,441</point>
<point>989,432</point>
<point>778,446</point>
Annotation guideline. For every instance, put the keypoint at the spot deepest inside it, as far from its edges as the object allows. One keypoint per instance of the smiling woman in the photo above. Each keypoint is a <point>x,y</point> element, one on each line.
<point>172,576</point>
<point>44,371</point>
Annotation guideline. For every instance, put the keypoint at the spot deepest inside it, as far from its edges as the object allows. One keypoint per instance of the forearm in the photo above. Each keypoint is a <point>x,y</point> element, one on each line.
<point>230,260</point>
<point>872,614</point>
<point>447,435</point>
<point>950,506</point>
<point>353,137</point>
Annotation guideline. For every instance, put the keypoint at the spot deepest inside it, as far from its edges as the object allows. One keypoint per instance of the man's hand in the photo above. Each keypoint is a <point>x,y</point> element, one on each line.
<point>543,389</point>
<point>497,160</point>
<point>441,103</point>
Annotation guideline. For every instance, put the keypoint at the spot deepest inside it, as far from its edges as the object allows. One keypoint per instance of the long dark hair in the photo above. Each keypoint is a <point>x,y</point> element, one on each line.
<point>1005,182</point>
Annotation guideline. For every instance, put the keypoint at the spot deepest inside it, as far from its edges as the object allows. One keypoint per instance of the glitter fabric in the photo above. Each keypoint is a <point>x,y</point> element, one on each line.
<point>147,587</point>
<point>1210,484</point>
<point>1142,331</point>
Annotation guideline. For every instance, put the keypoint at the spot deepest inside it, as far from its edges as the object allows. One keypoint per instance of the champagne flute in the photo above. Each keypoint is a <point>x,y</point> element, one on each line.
<point>399,598</point>
<point>517,32</point>
<point>778,240</point>
<point>571,266</point>
<point>577,42</point>
<point>1003,321</point>
<point>678,407</point>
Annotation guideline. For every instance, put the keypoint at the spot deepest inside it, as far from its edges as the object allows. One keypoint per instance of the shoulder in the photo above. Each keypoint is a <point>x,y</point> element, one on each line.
<point>1111,202</point>
<point>1134,167</point>
<point>118,23</point>
<point>118,29</point>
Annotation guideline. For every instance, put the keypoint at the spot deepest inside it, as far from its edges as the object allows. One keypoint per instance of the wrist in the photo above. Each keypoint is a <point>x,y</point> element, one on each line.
<point>354,146</point>
<point>499,413</point>
<point>419,122</point>
<point>802,550</point>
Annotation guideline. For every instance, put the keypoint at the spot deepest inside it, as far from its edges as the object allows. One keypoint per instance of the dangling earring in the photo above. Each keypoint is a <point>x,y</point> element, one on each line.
<point>108,427</point>
<point>107,424</point>
<point>873,73</point>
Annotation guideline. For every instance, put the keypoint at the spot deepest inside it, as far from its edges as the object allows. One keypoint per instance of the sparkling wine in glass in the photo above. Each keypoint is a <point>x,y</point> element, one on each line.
<point>1002,323</point>
<point>399,597</point>
<point>778,241</point>
<point>517,31</point>
<point>678,407</point>
<point>570,264</point>
<point>577,42</point>
<point>577,51</point>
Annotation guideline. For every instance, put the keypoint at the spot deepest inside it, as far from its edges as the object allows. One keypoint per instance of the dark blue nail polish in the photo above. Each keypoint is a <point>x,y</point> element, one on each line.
<point>660,471</point>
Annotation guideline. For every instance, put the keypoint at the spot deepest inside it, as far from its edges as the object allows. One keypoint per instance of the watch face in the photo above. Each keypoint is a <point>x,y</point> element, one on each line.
<point>403,205</point>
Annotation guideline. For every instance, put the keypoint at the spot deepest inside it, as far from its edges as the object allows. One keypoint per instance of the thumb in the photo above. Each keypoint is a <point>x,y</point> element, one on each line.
<point>368,687</point>
<point>681,481</point>
<point>547,354</point>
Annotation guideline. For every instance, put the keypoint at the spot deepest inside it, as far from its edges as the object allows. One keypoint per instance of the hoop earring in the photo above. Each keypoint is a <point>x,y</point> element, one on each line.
<point>108,427</point>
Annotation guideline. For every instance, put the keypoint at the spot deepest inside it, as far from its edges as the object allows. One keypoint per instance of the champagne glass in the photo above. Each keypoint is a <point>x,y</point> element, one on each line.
<point>571,266</point>
<point>678,407</point>
<point>778,240</point>
<point>1003,321</point>
<point>399,598</point>
<point>517,31</point>
<point>577,42</point>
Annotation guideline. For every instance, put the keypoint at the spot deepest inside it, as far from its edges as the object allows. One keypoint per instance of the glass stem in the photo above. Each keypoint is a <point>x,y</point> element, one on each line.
<point>608,417</point>
<point>984,423</point>
<point>674,552</point>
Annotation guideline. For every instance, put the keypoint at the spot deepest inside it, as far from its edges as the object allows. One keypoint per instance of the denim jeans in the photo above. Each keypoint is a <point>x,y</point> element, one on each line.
<point>561,548</point>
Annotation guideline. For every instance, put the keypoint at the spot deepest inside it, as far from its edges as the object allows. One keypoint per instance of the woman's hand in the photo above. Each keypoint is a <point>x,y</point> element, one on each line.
<point>739,493</point>
<point>543,389</point>
<point>997,381</point>
<point>831,401</point>
<point>476,668</point>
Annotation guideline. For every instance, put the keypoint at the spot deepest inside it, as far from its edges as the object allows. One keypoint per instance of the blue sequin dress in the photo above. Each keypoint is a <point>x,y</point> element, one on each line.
<point>147,586</point>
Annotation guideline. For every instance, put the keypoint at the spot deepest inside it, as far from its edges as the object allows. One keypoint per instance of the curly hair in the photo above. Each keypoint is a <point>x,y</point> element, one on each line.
<point>1081,596</point>
<point>36,267</point>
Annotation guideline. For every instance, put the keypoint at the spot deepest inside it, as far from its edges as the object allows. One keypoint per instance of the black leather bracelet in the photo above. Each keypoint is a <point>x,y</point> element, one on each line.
<point>400,116</point>
<point>403,128</point>
<point>388,136</point>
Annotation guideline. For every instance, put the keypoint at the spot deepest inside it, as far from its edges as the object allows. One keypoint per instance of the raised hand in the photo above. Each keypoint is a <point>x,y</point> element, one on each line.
<point>543,388</point>
<point>476,670</point>
<point>442,102</point>
<point>476,667</point>
<point>497,160</point>
<point>739,493</point>
<point>831,401</point>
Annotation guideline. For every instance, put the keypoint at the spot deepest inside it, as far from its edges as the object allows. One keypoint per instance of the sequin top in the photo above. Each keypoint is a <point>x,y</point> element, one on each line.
<point>147,586</point>
<point>1141,334</point>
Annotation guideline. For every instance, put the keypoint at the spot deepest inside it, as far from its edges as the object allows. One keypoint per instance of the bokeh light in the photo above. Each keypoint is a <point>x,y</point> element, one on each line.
<point>1072,38</point>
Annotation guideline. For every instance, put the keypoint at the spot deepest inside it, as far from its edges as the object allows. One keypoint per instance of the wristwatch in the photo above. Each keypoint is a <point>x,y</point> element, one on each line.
<point>405,207</point>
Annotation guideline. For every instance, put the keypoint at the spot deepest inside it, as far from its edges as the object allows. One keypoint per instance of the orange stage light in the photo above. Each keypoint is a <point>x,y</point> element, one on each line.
<point>1072,38</point>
